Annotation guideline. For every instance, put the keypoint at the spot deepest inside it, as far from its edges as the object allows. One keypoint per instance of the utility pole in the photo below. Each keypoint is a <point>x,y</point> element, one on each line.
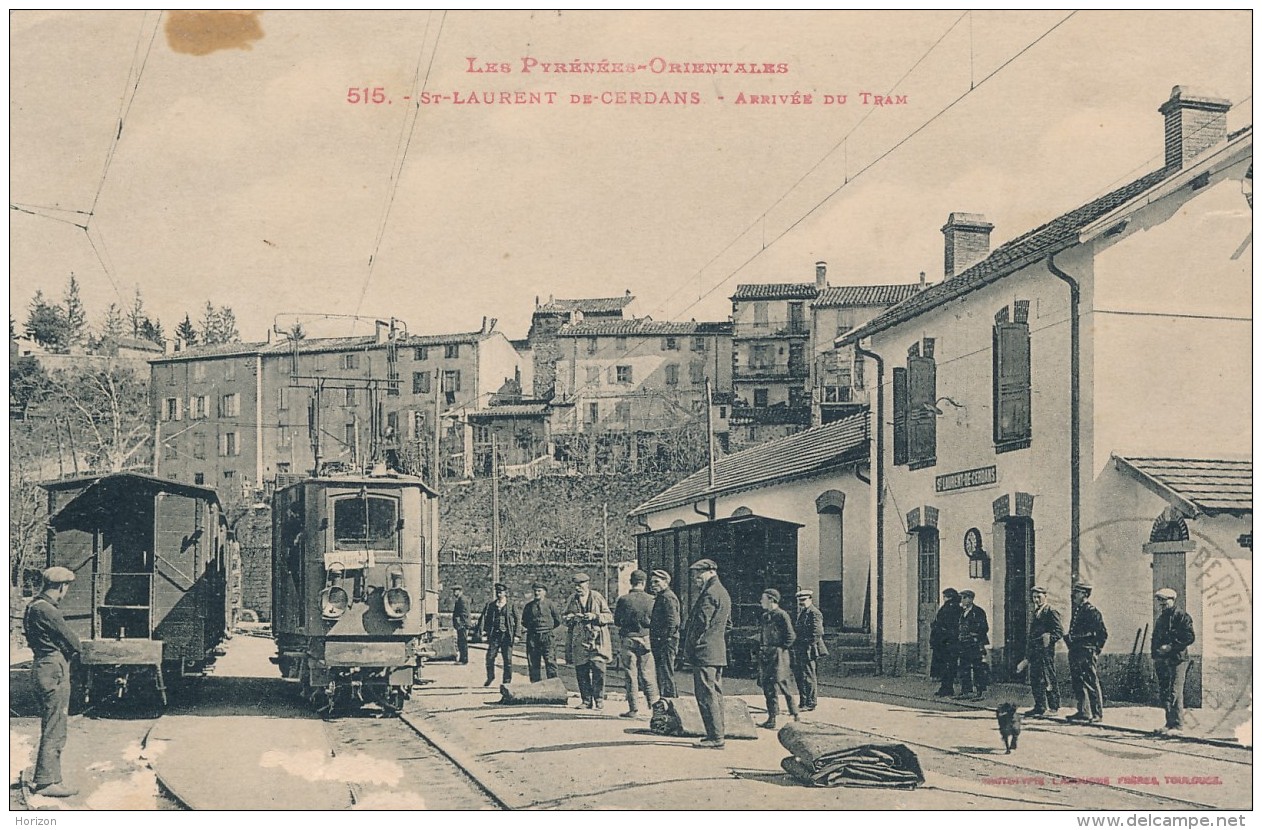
<point>495,509</point>
<point>709,432</point>
<point>604,535</point>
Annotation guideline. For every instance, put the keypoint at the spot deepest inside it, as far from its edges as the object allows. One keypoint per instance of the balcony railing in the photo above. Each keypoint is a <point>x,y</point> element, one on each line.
<point>792,371</point>
<point>771,328</point>
<point>777,414</point>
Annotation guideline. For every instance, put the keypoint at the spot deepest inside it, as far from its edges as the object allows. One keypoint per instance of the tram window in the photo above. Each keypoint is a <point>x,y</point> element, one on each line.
<point>365,523</point>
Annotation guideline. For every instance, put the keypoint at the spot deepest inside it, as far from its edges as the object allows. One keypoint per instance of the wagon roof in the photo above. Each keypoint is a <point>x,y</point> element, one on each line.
<point>103,496</point>
<point>368,481</point>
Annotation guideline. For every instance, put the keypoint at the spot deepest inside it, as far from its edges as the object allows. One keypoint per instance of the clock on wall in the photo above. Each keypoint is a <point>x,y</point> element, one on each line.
<point>973,543</point>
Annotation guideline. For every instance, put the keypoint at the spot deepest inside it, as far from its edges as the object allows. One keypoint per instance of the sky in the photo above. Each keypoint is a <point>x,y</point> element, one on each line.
<point>243,176</point>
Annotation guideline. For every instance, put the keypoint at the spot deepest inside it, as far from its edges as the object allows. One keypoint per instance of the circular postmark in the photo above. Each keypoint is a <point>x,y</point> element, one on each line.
<point>1222,596</point>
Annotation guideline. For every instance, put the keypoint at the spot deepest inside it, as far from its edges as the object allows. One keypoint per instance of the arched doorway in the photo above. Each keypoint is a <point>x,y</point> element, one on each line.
<point>923,525</point>
<point>838,608</point>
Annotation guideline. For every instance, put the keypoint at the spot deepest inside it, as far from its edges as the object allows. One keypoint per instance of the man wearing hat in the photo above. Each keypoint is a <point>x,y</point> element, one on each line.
<point>970,644</point>
<point>633,615</point>
<point>540,618</point>
<point>587,647</point>
<point>499,629</point>
<point>776,637</point>
<point>705,648</point>
<point>808,647</point>
<point>1085,639</point>
<point>664,632</point>
<point>1171,636</point>
<point>1046,630</point>
<point>460,622</point>
<point>942,635</point>
<point>54,645</point>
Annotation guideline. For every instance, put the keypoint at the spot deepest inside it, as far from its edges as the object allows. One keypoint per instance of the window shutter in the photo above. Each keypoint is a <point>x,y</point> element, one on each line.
<point>611,375</point>
<point>922,422</point>
<point>630,377</point>
<point>456,379</point>
<point>1012,382</point>
<point>900,416</point>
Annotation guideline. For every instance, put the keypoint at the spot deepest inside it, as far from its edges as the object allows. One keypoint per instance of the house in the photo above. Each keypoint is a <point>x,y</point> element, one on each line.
<point>812,481</point>
<point>242,414</point>
<point>837,389</point>
<point>547,320</point>
<point>1076,404</point>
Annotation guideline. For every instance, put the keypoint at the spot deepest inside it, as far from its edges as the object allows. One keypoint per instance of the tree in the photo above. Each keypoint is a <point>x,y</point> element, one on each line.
<point>111,328</point>
<point>136,314</point>
<point>218,325</point>
<point>106,413</point>
<point>76,315</point>
<point>296,332</point>
<point>151,330</point>
<point>27,383</point>
<point>47,325</point>
<point>186,332</point>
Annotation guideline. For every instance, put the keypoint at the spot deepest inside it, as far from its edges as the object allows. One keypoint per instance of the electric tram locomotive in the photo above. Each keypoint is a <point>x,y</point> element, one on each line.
<point>354,587</point>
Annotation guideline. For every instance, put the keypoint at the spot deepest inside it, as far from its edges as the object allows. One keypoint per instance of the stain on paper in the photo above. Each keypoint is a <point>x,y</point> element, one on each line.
<point>203,32</point>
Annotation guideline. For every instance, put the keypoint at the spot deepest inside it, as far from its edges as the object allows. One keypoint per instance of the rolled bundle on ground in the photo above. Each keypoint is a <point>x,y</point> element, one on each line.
<point>832,758</point>
<point>682,718</point>
<point>544,692</point>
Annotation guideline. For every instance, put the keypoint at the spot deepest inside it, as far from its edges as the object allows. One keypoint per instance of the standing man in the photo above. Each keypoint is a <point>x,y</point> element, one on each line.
<point>540,618</point>
<point>942,636</point>
<point>1046,630</point>
<point>1085,639</point>
<point>664,632</point>
<point>499,629</point>
<point>808,647</point>
<point>1171,636</point>
<point>774,673</point>
<point>460,622</point>
<point>54,645</point>
<point>970,644</point>
<point>705,648</point>
<point>633,615</point>
<point>587,647</point>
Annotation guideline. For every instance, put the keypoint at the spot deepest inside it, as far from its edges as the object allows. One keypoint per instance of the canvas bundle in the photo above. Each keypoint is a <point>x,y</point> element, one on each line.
<point>825,757</point>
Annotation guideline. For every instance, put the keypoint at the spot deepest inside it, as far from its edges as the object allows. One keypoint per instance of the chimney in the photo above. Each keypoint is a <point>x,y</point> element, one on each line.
<point>490,327</point>
<point>383,331</point>
<point>484,329</point>
<point>922,280</point>
<point>1194,123</point>
<point>967,241</point>
<point>821,275</point>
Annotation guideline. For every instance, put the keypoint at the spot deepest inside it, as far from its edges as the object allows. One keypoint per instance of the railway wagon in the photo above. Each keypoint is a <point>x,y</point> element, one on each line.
<point>149,556</point>
<point>354,587</point>
<point>753,553</point>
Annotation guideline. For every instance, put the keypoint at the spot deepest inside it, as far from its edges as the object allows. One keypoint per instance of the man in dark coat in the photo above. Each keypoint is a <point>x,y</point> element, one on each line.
<point>499,630</point>
<point>540,619</point>
<point>971,643</point>
<point>942,635</point>
<point>1171,636</point>
<point>1046,630</point>
<point>460,622</point>
<point>1086,638</point>
<point>776,637</point>
<point>705,648</point>
<point>54,645</point>
<point>808,647</point>
<point>633,614</point>
<point>664,632</point>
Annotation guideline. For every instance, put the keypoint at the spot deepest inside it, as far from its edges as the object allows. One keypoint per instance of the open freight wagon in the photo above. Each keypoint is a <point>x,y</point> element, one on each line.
<point>150,557</point>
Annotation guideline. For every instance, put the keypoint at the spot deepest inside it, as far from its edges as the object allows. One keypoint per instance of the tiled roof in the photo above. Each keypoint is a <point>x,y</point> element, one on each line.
<point>511,410</point>
<point>137,344</point>
<point>643,327</point>
<point>595,305</point>
<point>217,350</point>
<point>314,345</point>
<point>443,339</point>
<point>1011,256</point>
<point>775,291</point>
<point>795,456</point>
<point>844,295</point>
<point>1208,485</point>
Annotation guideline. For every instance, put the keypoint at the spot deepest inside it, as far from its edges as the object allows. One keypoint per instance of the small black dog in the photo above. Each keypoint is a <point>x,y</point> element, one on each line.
<point>1009,725</point>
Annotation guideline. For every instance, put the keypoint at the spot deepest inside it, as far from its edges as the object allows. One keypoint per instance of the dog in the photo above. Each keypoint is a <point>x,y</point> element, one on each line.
<point>1009,725</point>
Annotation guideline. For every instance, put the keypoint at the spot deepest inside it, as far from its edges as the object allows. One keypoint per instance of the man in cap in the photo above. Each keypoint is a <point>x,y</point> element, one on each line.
<point>460,622</point>
<point>1171,636</point>
<point>499,630</point>
<point>1086,638</point>
<point>808,647</point>
<point>776,637</point>
<point>705,648</point>
<point>633,615</point>
<point>587,647</point>
<point>971,643</point>
<point>1046,630</point>
<point>942,635</point>
<point>54,645</point>
<point>664,631</point>
<point>540,618</point>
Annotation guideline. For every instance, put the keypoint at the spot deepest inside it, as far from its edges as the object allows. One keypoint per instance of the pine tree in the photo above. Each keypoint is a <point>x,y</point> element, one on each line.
<point>46,324</point>
<point>112,325</point>
<point>151,330</point>
<point>186,332</point>
<point>136,315</point>
<point>76,316</point>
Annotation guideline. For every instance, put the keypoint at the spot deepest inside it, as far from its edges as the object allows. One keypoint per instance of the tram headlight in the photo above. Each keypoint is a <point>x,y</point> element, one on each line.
<point>395,599</point>
<point>333,602</point>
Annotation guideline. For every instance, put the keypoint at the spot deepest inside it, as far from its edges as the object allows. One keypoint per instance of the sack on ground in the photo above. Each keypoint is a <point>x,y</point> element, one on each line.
<point>682,718</point>
<point>544,692</point>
